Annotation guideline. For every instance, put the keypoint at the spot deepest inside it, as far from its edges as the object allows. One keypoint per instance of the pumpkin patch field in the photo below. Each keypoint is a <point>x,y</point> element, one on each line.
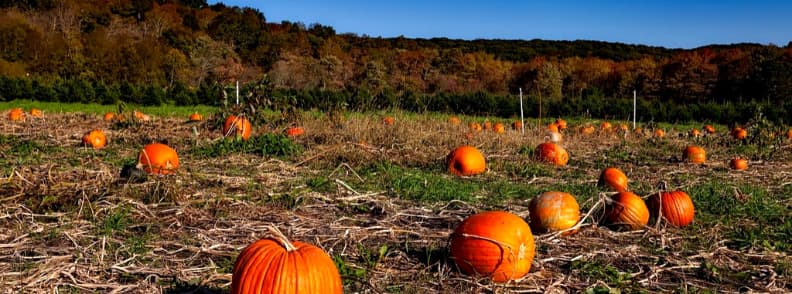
<point>390,202</point>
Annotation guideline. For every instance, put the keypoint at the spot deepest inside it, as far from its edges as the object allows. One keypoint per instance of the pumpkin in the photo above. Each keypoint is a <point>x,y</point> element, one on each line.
<point>295,131</point>
<point>494,244</point>
<point>677,207</point>
<point>562,124</point>
<point>518,125</point>
<point>606,126</point>
<point>695,154</point>
<point>195,116</point>
<point>108,116</point>
<point>476,127</point>
<point>789,134</point>
<point>95,139</point>
<point>35,112</point>
<point>552,153</point>
<point>626,210</point>
<point>466,161</point>
<point>659,133</point>
<point>553,211</point>
<point>237,126</point>
<point>709,129</point>
<point>487,125</point>
<point>454,120</point>
<point>614,178</point>
<point>739,133</point>
<point>277,265</point>
<point>158,158</point>
<point>587,130</point>
<point>388,120</point>
<point>738,163</point>
<point>624,127</point>
<point>16,114</point>
<point>141,116</point>
<point>695,133</point>
<point>498,128</point>
<point>552,127</point>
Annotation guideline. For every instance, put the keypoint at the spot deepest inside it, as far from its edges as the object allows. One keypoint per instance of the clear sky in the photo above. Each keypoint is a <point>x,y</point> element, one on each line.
<point>670,23</point>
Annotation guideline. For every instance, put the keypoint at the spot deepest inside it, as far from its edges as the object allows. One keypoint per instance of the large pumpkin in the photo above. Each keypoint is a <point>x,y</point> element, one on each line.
<point>552,153</point>
<point>626,210</point>
<point>677,207</point>
<point>614,178</point>
<point>238,127</point>
<point>16,114</point>
<point>695,154</point>
<point>276,265</point>
<point>553,211</point>
<point>96,139</point>
<point>466,161</point>
<point>158,158</point>
<point>493,244</point>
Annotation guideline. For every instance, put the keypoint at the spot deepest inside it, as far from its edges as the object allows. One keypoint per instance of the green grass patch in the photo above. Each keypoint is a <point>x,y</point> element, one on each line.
<point>267,144</point>
<point>94,108</point>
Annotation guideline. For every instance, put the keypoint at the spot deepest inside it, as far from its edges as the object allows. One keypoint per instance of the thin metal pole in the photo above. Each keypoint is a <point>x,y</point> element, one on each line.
<point>635,97</point>
<point>237,92</point>
<point>522,118</point>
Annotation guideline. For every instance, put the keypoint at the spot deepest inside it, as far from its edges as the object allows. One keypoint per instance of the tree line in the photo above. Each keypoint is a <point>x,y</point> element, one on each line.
<point>187,52</point>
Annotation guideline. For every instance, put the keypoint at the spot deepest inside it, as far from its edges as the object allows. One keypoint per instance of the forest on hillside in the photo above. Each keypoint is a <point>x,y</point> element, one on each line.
<point>187,52</point>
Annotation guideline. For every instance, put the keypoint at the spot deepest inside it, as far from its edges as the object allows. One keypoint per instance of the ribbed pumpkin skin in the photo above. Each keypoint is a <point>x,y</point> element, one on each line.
<point>475,252</point>
<point>267,267</point>
<point>614,178</point>
<point>627,211</point>
<point>552,153</point>
<point>677,207</point>
<point>237,127</point>
<point>695,154</point>
<point>158,158</point>
<point>553,211</point>
<point>466,161</point>
<point>95,139</point>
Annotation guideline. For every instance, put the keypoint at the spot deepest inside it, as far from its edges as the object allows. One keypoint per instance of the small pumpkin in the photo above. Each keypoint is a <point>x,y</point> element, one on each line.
<point>454,121</point>
<point>195,116</point>
<point>494,244</point>
<point>738,163</point>
<point>695,154</point>
<point>624,127</point>
<point>677,207</point>
<point>16,114</point>
<point>277,265</point>
<point>295,131</point>
<point>141,116</point>
<point>35,112</point>
<point>562,124</point>
<point>660,133</point>
<point>553,211</point>
<point>695,133</point>
<point>517,125</point>
<point>466,161</point>
<point>476,127</point>
<point>626,210</point>
<point>739,133</point>
<point>498,128</point>
<point>789,134</point>
<point>552,153</point>
<point>709,129</point>
<point>614,178</point>
<point>606,126</point>
<point>158,158</point>
<point>109,116</point>
<point>552,127</point>
<point>238,127</point>
<point>388,120</point>
<point>587,130</point>
<point>95,138</point>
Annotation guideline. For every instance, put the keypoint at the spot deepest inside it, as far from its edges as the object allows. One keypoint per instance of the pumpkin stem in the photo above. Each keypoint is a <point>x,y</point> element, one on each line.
<point>280,237</point>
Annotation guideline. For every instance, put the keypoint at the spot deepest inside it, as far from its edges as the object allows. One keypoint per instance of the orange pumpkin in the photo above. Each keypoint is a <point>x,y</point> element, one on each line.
<point>239,127</point>
<point>738,163</point>
<point>606,126</point>
<point>695,154</point>
<point>624,127</point>
<point>659,133</point>
<point>466,161</point>
<point>487,125</point>
<point>562,124</point>
<point>295,131</point>
<point>16,114</point>
<point>677,207</point>
<point>739,133</point>
<point>196,117</point>
<point>277,265</point>
<point>158,158</point>
<point>454,120</point>
<point>141,116</point>
<point>789,134</point>
<point>476,127</point>
<point>517,125</point>
<point>614,178</point>
<point>35,112</point>
<point>388,120</point>
<point>587,130</point>
<point>95,139</point>
<point>498,128</point>
<point>709,129</point>
<point>494,244</point>
<point>552,127</point>
<point>627,210</point>
<point>552,153</point>
<point>695,133</point>
<point>553,211</point>
<point>108,116</point>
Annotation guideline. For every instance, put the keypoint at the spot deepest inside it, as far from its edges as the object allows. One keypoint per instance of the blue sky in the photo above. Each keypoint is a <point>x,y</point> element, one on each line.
<point>671,23</point>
